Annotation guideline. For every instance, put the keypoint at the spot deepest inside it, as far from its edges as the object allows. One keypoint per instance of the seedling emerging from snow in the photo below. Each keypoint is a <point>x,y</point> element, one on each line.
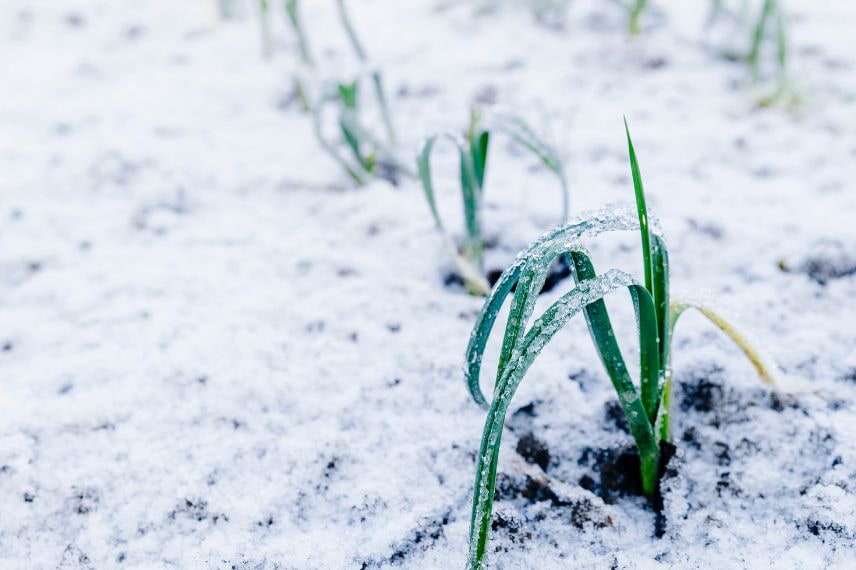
<point>765,29</point>
<point>292,11</point>
<point>366,150</point>
<point>473,152</point>
<point>377,80</point>
<point>646,406</point>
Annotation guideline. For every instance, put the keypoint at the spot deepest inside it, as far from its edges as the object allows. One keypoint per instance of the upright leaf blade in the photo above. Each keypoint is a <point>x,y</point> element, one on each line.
<point>758,35</point>
<point>292,10</point>
<point>606,343</point>
<point>660,261</point>
<point>642,210</point>
<point>473,247</point>
<point>468,262</point>
<point>423,162</point>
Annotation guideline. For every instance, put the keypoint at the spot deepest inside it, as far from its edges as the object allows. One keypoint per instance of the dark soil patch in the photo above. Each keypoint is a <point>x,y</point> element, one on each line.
<point>558,272</point>
<point>578,511</point>
<point>614,415</point>
<point>196,509</point>
<point>829,260</point>
<point>421,538</point>
<point>534,451</point>
<point>702,392</point>
<point>615,474</point>
<point>510,526</point>
<point>824,529</point>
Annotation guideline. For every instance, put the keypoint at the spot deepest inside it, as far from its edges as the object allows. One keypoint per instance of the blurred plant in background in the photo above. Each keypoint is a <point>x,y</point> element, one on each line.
<point>767,49</point>
<point>473,155</point>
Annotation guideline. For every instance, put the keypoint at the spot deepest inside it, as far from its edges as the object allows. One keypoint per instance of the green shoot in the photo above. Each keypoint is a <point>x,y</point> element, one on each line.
<point>759,34</point>
<point>643,213</point>
<point>646,403</point>
<point>635,10</point>
<point>767,35</point>
<point>377,80</point>
<point>264,22</point>
<point>367,151</point>
<point>356,170</point>
<point>292,11</point>
<point>472,158</point>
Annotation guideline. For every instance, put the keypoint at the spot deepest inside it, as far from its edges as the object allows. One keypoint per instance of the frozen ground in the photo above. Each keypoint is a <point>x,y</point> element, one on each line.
<point>217,355</point>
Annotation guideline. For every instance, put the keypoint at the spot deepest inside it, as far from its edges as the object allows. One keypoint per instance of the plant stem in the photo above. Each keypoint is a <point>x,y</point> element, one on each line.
<point>264,20</point>
<point>635,12</point>
<point>292,9</point>
<point>377,81</point>
<point>664,428</point>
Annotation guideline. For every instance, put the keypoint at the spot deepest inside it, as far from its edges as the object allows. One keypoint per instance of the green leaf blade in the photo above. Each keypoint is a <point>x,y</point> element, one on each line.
<point>642,210</point>
<point>540,334</point>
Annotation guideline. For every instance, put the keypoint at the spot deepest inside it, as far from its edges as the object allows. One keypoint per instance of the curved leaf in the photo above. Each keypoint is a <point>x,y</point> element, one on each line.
<point>589,224</point>
<point>766,370</point>
<point>544,328</point>
<point>469,262</point>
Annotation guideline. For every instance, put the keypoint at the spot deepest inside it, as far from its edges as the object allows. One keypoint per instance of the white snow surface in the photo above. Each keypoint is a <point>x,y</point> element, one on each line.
<point>216,353</point>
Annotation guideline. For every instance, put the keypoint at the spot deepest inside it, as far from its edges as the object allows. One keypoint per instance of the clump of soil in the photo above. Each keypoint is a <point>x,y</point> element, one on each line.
<point>534,451</point>
<point>558,272</point>
<point>505,523</point>
<point>702,392</point>
<point>421,538</point>
<point>577,510</point>
<point>827,260</point>
<point>615,474</point>
<point>614,415</point>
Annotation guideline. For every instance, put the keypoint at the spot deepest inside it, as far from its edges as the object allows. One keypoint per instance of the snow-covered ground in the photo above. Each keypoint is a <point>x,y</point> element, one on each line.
<point>217,354</point>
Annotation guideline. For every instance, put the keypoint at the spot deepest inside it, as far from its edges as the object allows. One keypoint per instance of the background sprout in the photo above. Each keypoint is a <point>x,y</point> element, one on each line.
<point>368,151</point>
<point>345,95</point>
<point>473,153</point>
<point>292,11</point>
<point>765,30</point>
<point>646,405</point>
<point>377,80</point>
<point>634,12</point>
<point>770,24</point>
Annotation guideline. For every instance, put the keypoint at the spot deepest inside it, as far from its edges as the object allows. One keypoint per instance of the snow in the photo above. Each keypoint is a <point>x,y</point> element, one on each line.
<point>216,353</point>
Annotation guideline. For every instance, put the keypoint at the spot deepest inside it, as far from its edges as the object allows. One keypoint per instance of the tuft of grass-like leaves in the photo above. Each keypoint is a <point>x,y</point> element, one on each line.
<point>472,154</point>
<point>768,48</point>
<point>357,150</point>
<point>646,403</point>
